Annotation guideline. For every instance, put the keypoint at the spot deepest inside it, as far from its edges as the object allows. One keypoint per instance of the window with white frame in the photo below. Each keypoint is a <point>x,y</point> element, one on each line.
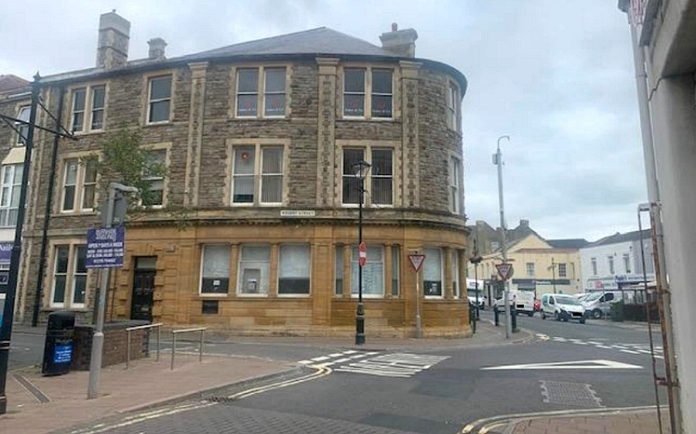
<point>11,186</point>
<point>157,160</point>
<point>269,92</point>
<point>257,181</point>
<point>293,270</point>
<point>254,269</point>
<point>610,260</point>
<point>379,183</point>
<point>530,269</point>
<point>88,108</point>
<point>452,106</point>
<point>368,98</point>
<point>455,273</point>
<point>159,99</point>
<point>396,270</point>
<point>215,269</point>
<point>23,129</point>
<point>594,266</point>
<point>562,270</point>
<point>69,276</point>
<point>627,263</point>
<point>372,273</point>
<point>432,272</point>
<point>455,185</point>
<point>79,185</point>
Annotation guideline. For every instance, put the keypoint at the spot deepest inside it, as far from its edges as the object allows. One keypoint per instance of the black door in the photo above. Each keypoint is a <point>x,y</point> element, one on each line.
<point>143,289</point>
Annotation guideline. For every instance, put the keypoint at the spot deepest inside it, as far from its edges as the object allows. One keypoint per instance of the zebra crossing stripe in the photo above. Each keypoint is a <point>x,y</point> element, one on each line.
<point>629,351</point>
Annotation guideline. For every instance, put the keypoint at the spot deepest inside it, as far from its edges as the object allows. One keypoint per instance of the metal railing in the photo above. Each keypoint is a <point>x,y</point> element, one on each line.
<point>200,350</point>
<point>142,327</point>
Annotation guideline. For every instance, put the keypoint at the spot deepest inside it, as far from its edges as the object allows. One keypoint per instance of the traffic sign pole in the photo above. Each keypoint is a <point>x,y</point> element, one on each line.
<point>416,262</point>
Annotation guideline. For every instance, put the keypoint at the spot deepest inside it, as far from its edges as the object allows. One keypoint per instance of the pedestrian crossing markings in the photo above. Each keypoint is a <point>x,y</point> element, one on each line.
<point>400,365</point>
<point>624,348</point>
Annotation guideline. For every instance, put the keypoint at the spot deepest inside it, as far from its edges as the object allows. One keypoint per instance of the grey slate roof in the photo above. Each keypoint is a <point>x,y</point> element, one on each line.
<point>321,40</point>
<point>569,243</point>
<point>621,238</point>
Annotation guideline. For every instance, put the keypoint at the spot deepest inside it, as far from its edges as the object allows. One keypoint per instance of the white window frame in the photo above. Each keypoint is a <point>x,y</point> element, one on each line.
<point>309,269</point>
<point>443,278</point>
<point>202,270</point>
<point>260,92</point>
<point>610,261</point>
<point>151,101</point>
<point>11,187</point>
<point>165,162</point>
<point>79,185</point>
<point>367,156</point>
<point>456,287</point>
<point>23,129</point>
<point>70,274</point>
<point>258,175</point>
<point>240,272</point>
<point>354,270</point>
<point>455,185</point>
<point>453,104</point>
<point>593,262</point>
<point>627,263</point>
<point>368,93</point>
<point>89,109</point>
<point>530,268</point>
<point>562,269</point>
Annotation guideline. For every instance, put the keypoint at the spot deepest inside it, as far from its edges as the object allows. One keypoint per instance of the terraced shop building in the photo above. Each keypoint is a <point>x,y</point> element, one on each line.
<point>260,140</point>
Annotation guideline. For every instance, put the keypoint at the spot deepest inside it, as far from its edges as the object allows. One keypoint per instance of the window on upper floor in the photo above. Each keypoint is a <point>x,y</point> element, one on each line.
<point>530,269</point>
<point>562,270</point>
<point>157,162</point>
<point>9,201</point>
<point>627,263</point>
<point>594,266</point>
<point>368,93</point>
<point>257,175</point>
<point>453,101</point>
<point>610,260</point>
<point>159,99</point>
<point>69,276</point>
<point>455,186</point>
<point>79,185</point>
<point>269,93</point>
<point>379,183</point>
<point>23,129</point>
<point>88,108</point>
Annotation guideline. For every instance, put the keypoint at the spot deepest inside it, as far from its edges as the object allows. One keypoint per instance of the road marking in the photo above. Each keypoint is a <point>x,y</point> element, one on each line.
<point>629,351</point>
<point>401,365</point>
<point>543,337</point>
<point>580,364</point>
<point>559,339</point>
<point>351,353</point>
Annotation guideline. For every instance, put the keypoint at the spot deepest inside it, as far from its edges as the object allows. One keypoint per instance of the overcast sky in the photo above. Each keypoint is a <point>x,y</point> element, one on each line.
<point>554,75</point>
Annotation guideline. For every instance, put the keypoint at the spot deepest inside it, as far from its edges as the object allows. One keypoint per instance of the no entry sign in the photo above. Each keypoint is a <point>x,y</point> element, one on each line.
<point>362,254</point>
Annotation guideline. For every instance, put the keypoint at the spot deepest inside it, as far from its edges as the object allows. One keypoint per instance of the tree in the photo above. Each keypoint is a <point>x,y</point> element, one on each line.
<point>124,159</point>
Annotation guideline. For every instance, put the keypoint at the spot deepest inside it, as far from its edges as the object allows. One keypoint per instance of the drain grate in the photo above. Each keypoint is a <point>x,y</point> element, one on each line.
<point>575,394</point>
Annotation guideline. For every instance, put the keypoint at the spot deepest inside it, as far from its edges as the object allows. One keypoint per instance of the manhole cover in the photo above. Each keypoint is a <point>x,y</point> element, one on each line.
<point>575,394</point>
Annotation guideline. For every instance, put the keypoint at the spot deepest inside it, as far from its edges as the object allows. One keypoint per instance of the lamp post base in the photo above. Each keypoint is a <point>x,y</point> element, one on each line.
<point>360,325</point>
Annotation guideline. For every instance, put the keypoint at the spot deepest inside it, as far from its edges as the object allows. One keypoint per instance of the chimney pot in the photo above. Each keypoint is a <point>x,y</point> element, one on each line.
<point>395,27</point>
<point>156,51</point>
<point>112,45</point>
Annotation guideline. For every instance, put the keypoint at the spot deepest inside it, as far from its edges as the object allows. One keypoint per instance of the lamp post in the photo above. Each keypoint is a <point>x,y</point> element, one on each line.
<point>476,259</point>
<point>498,160</point>
<point>553,270</point>
<point>360,169</point>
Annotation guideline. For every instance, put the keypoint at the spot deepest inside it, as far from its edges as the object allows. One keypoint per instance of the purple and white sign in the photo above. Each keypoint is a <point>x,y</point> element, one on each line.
<point>5,252</point>
<point>105,247</point>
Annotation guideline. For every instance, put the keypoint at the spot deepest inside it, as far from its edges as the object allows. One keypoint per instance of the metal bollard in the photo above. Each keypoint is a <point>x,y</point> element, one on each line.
<point>496,316</point>
<point>513,317</point>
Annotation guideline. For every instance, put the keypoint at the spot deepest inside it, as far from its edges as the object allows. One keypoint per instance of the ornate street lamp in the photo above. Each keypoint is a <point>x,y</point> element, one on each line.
<point>360,169</point>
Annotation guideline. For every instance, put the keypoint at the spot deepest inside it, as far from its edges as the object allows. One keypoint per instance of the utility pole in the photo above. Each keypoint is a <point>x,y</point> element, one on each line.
<point>498,160</point>
<point>553,270</point>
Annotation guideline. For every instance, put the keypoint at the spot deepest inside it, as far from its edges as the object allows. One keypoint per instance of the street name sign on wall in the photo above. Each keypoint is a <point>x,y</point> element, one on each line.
<point>504,270</point>
<point>105,247</point>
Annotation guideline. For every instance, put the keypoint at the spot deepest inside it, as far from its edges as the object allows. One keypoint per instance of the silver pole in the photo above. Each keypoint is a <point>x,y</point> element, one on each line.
<point>200,354</point>
<point>419,326</point>
<point>158,341</point>
<point>98,337</point>
<point>503,241</point>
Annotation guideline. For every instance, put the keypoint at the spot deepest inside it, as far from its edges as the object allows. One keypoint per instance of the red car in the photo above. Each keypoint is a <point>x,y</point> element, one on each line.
<point>537,305</point>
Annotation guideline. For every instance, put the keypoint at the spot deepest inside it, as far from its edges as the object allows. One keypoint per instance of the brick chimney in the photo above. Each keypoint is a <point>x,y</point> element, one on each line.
<point>112,46</point>
<point>156,51</point>
<point>524,223</point>
<point>401,42</point>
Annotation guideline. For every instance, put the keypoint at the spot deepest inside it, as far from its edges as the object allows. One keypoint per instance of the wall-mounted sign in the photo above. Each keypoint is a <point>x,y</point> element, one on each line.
<point>105,247</point>
<point>297,213</point>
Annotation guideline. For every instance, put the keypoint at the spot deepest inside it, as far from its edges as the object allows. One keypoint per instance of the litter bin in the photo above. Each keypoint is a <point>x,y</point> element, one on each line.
<point>58,349</point>
<point>617,311</point>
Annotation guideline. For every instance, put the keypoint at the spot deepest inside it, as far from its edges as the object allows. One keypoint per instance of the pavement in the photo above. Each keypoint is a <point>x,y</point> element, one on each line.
<point>38,404</point>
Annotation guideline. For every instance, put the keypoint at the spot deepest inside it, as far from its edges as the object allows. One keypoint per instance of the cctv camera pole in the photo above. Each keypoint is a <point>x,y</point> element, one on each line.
<point>498,160</point>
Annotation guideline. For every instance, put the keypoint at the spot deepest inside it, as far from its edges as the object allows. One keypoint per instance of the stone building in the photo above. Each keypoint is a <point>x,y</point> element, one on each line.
<point>260,139</point>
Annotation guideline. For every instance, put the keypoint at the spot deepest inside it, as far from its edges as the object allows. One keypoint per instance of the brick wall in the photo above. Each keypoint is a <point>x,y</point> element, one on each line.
<point>115,344</point>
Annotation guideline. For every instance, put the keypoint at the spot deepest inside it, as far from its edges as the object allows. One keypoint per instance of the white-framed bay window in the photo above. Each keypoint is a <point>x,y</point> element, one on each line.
<point>373,272</point>
<point>368,93</point>
<point>9,200</point>
<point>254,269</point>
<point>215,269</point>
<point>432,273</point>
<point>294,269</point>
<point>69,285</point>
<point>379,182</point>
<point>257,174</point>
<point>79,185</point>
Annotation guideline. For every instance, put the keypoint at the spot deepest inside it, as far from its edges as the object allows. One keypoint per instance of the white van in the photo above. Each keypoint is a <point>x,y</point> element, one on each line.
<point>598,304</point>
<point>522,300</point>
<point>562,307</point>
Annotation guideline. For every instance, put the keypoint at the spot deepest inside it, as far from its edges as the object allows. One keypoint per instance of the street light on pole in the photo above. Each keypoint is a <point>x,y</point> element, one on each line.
<point>360,169</point>
<point>553,270</point>
<point>476,259</point>
<point>498,160</point>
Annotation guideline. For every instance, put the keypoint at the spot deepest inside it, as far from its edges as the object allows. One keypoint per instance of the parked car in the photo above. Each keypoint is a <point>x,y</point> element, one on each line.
<point>523,301</point>
<point>562,308</point>
<point>598,304</point>
<point>482,300</point>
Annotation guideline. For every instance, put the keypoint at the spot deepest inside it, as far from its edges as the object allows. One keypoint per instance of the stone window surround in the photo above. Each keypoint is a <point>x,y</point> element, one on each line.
<point>166,146</point>
<point>367,146</point>
<point>72,258</point>
<point>235,258</point>
<point>59,192</point>
<point>460,186</point>
<point>87,121</point>
<point>258,144</point>
<point>232,112</point>
<point>347,279</point>
<point>451,84</point>
<point>145,96</point>
<point>396,91</point>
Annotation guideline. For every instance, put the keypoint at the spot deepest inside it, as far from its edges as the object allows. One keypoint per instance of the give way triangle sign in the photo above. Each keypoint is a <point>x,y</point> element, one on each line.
<point>504,270</point>
<point>416,261</point>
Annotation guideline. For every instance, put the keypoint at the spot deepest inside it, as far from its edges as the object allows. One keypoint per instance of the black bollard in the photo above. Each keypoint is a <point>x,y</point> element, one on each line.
<point>513,317</point>
<point>496,315</point>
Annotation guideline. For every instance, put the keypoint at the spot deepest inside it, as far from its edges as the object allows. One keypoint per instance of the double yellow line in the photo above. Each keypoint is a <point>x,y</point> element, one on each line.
<point>321,371</point>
